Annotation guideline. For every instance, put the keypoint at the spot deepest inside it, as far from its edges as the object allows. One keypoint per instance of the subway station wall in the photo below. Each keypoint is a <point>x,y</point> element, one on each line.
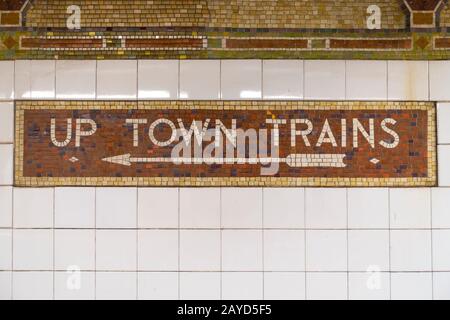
<point>224,243</point>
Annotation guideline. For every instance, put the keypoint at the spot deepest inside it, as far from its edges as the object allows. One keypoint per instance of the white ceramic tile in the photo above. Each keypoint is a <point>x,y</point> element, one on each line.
<point>439,79</point>
<point>284,250</point>
<point>242,286</point>
<point>410,250</point>
<point>410,208</point>
<point>116,250</point>
<point>5,285</point>
<point>443,123</point>
<point>283,79</point>
<point>331,213</point>
<point>368,286</point>
<point>242,250</point>
<point>200,250</point>
<point>5,249</point>
<point>284,286</point>
<point>200,207</point>
<point>368,250</point>
<point>117,79</point>
<point>441,252</point>
<point>74,286</point>
<point>33,285</point>
<point>326,286</point>
<point>157,207</point>
<point>75,79</point>
<point>325,79</point>
<point>326,250</point>
<point>158,79</point>
<point>368,208</point>
<point>200,79</point>
<point>408,80</point>
<point>444,168</point>
<point>74,249</point>
<point>157,285</point>
<point>284,207</point>
<point>242,207</point>
<point>440,200</point>
<point>33,207</point>
<point>116,286</point>
<point>200,286</point>
<point>33,250</point>
<point>366,80</point>
<point>6,207</point>
<point>75,207</point>
<point>42,79</point>
<point>411,286</point>
<point>7,80</point>
<point>22,79</point>
<point>441,286</point>
<point>116,207</point>
<point>6,169</point>
<point>158,250</point>
<point>6,122</point>
<point>241,79</point>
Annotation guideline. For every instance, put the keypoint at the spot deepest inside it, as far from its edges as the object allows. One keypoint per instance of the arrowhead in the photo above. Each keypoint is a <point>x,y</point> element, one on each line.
<point>123,159</point>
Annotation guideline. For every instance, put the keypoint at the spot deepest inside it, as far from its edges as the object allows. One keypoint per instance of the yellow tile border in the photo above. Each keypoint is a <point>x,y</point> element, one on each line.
<point>22,181</point>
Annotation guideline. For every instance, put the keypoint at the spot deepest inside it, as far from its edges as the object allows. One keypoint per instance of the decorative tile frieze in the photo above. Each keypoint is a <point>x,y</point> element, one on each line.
<point>218,29</point>
<point>225,143</point>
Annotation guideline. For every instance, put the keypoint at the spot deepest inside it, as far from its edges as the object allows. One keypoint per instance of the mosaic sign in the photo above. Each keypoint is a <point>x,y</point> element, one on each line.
<point>225,143</point>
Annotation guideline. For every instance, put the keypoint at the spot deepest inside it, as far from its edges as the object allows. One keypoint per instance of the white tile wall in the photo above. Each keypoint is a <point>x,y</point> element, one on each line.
<point>117,79</point>
<point>7,80</point>
<point>282,79</point>
<point>74,286</point>
<point>366,80</point>
<point>283,243</point>
<point>43,79</point>
<point>199,79</point>
<point>284,286</point>
<point>6,169</point>
<point>439,79</point>
<point>411,286</point>
<point>408,80</point>
<point>326,286</point>
<point>241,79</point>
<point>200,286</point>
<point>33,208</point>
<point>443,123</point>
<point>157,285</point>
<point>368,286</point>
<point>158,79</point>
<point>325,80</point>
<point>6,122</point>
<point>76,79</point>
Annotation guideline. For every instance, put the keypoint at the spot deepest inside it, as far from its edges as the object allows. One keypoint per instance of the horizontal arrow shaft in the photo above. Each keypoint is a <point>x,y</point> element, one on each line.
<point>293,160</point>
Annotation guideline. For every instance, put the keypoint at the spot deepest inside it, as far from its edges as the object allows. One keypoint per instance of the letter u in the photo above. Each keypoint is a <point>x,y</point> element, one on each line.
<point>68,135</point>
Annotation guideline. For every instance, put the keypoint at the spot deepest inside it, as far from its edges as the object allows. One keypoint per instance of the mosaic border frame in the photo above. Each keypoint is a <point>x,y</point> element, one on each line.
<point>22,105</point>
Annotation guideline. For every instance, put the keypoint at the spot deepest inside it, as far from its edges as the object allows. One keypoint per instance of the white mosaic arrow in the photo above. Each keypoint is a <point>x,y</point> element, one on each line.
<point>293,160</point>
